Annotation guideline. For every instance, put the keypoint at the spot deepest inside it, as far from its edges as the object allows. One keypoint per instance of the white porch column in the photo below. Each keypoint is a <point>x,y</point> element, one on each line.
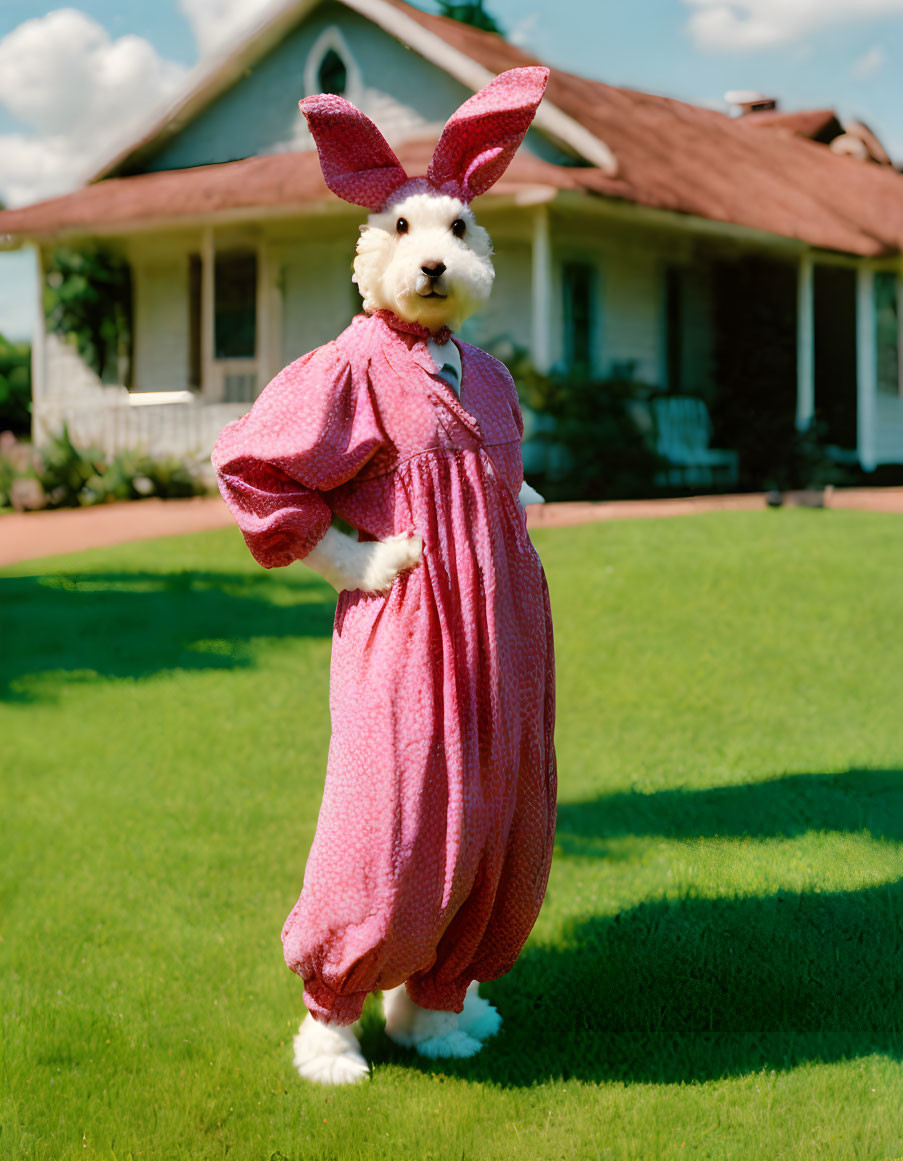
<point>38,349</point>
<point>866,368</point>
<point>208,259</point>
<point>264,295</point>
<point>541,346</point>
<point>269,313</point>
<point>900,329</point>
<point>805,345</point>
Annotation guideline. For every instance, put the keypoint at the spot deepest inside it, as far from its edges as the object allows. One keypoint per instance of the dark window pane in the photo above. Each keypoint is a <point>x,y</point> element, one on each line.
<point>235,313</point>
<point>887,333</point>
<point>834,304</point>
<point>332,75</point>
<point>194,321</point>
<point>578,313</point>
<point>674,322</point>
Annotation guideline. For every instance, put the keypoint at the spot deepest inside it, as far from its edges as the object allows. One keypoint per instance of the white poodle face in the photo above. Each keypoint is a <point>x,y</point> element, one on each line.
<point>425,259</point>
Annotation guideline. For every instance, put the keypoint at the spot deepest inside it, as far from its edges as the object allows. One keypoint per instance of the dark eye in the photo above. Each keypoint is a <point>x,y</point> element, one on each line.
<point>401,226</point>
<point>458,227</point>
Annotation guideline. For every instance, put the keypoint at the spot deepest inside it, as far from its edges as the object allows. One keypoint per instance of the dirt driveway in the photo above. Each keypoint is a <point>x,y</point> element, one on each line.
<point>31,535</point>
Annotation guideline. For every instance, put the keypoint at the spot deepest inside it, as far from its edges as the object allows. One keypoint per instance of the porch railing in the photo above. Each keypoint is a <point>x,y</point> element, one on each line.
<point>112,419</point>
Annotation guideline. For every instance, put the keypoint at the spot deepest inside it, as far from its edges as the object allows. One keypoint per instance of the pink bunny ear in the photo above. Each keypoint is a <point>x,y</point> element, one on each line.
<point>356,160</point>
<point>479,141</point>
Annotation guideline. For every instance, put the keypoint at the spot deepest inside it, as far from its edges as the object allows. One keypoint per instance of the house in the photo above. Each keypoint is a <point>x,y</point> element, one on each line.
<point>751,265</point>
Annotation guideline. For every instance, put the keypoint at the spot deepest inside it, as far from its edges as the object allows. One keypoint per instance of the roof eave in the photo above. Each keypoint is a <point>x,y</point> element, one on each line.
<point>628,210</point>
<point>210,80</point>
<point>520,198</point>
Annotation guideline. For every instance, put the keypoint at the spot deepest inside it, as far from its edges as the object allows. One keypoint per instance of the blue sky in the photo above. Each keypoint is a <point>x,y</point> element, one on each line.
<point>840,53</point>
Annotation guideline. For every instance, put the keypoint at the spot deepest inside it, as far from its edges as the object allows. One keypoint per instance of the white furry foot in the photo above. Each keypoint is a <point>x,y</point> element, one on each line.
<point>436,1035</point>
<point>478,1018</point>
<point>328,1054</point>
<point>529,495</point>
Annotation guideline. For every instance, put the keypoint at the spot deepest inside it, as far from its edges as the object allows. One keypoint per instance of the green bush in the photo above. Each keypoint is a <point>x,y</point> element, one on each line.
<point>7,476</point>
<point>80,477</point>
<point>599,450</point>
<point>66,470</point>
<point>88,295</point>
<point>15,386</point>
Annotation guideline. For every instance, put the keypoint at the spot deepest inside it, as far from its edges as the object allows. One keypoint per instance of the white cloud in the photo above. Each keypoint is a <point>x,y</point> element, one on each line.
<point>738,25</point>
<point>525,29</point>
<point>37,167</point>
<point>215,22</point>
<point>80,92</point>
<point>869,63</point>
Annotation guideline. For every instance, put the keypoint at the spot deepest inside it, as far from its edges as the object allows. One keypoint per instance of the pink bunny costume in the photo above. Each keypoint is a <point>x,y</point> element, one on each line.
<point>434,838</point>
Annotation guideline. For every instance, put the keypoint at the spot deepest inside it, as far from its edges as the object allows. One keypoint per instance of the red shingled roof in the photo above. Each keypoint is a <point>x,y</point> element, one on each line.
<point>286,180</point>
<point>671,156</point>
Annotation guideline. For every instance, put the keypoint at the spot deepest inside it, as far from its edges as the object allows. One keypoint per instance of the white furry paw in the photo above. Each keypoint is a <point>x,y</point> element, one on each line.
<point>436,1035</point>
<point>385,559</point>
<point>529,495</point>
<point>454,1045</point>
<point>328,1054</point>
<point>401,1013</point>
<point>478,1018</point>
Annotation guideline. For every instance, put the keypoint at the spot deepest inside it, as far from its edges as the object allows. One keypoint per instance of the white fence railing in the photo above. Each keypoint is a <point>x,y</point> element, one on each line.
<point>162,423</point>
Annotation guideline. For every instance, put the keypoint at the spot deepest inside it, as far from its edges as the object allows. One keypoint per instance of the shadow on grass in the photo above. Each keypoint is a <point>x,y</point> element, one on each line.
<point>135,624</point>
<point>696,989</point>
<point>857,800</point>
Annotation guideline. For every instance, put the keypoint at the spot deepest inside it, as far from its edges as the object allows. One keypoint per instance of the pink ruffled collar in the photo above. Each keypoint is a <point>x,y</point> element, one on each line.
<point>413,328</point>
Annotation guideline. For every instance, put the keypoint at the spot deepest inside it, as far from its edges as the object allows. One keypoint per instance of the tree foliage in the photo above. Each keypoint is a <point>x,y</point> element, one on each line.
<point>473,14</point>
<point>597,450</point>
<point>15,386</point>
<point>88,296</point>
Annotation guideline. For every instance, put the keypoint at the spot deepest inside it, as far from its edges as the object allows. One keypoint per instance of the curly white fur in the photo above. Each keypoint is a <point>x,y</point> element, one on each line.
<point>369,565</point>
<point>439,1035</point>
<point>328,1054</point>
<point>388,266</point>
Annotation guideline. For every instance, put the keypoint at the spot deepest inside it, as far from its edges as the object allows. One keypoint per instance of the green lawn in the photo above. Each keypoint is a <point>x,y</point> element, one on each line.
<point>717,972</point>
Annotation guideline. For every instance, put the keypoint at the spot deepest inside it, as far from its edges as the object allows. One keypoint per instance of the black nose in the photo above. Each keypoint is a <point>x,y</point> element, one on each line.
<point>433,271</point>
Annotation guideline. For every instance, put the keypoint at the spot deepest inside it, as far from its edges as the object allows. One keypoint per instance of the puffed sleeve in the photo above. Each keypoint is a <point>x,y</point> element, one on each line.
<point>311,429</point>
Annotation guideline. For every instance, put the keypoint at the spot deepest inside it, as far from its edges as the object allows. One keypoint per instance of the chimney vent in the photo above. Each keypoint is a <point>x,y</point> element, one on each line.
<point>746,101</point>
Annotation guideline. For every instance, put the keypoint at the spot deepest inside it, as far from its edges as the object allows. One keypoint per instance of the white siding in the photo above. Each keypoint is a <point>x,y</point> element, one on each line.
<point>161,324</point>
<point>506,317</point>
<point>631,301</point>
<point>318,298</point>
<point>631,312</point>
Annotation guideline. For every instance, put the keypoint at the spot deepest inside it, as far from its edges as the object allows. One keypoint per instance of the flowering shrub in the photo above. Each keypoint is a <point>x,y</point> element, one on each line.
<point>62,475</point>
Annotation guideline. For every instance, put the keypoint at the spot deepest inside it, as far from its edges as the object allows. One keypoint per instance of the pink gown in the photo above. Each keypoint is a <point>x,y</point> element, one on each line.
<point>435,832</point>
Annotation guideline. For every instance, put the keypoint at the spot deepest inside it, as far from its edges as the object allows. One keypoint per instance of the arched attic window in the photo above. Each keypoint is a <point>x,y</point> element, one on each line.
<point>331,68</point>
<point>332,75</point>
